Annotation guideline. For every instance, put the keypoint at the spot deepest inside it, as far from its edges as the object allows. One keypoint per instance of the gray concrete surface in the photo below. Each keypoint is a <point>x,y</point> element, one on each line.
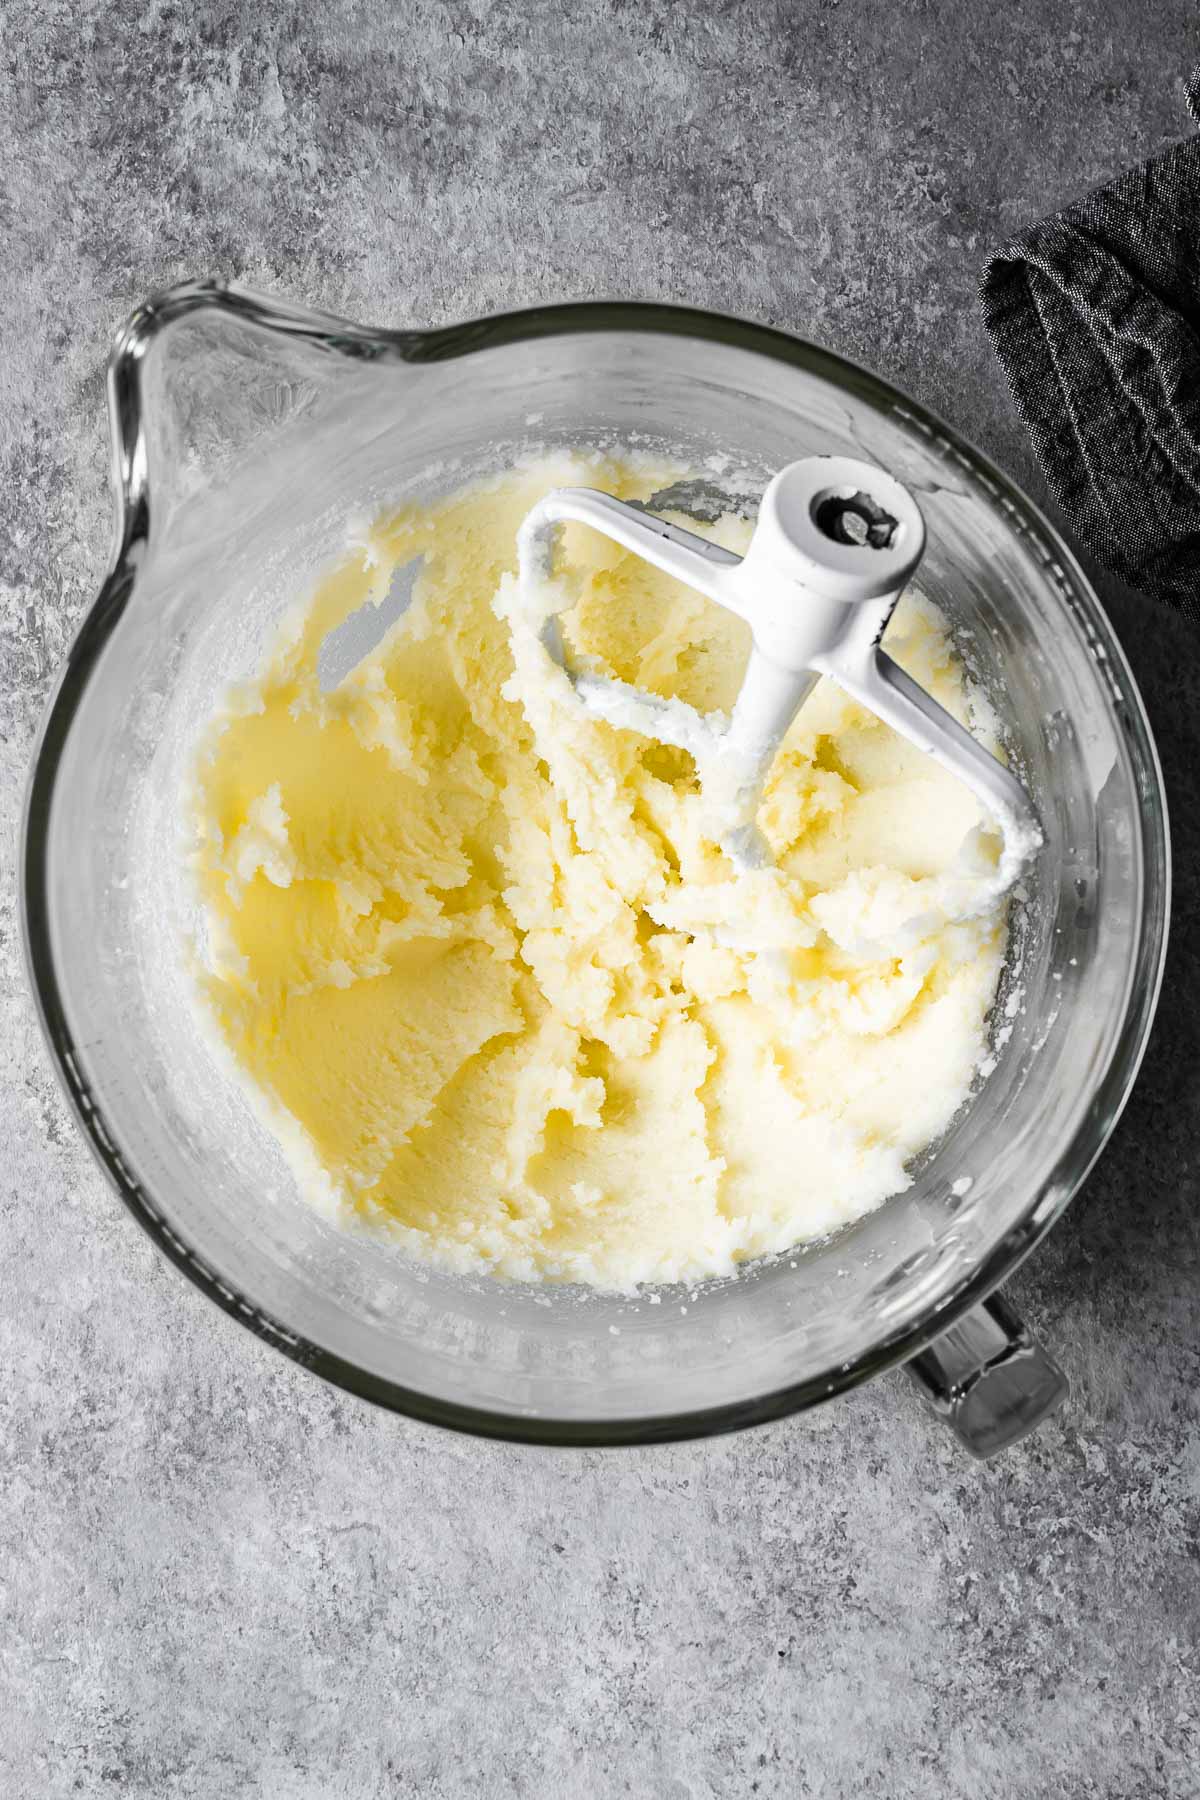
<point>219,1578</point>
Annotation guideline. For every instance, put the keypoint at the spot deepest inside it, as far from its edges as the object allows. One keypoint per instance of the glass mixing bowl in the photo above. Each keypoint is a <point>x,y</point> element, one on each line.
<point>245,432</point>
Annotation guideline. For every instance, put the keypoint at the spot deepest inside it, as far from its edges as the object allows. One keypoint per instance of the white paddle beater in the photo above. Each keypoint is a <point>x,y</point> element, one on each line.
<point>834,545</point>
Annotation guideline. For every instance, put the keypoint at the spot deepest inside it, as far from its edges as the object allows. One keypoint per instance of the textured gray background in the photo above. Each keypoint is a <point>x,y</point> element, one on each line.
<point>218,1577</point>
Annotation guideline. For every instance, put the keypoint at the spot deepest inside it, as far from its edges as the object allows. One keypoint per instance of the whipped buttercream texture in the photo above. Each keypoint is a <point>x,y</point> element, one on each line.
<point>482,965</point>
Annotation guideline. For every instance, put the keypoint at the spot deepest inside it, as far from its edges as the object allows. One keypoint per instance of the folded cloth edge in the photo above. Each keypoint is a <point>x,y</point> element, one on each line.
<point>1103,370</point>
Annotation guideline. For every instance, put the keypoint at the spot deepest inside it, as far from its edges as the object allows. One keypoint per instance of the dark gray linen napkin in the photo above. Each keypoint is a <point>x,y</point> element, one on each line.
<point>1095,316</point>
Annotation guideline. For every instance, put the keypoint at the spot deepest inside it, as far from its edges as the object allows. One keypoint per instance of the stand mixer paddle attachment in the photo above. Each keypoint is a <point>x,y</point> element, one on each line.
<point>835,543</point>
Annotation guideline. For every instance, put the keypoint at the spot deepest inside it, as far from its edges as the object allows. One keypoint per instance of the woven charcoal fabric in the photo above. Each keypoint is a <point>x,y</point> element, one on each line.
<point>1095,316</point>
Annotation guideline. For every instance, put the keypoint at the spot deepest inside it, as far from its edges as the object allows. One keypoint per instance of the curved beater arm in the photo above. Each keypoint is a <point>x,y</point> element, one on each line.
<point>882,686</point>
<point>835,542</point>
<point>690,558</point>
<point>684,554</point>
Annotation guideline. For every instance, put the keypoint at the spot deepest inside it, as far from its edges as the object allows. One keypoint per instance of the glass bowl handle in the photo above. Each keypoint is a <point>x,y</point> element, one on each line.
<point>988,1378</point>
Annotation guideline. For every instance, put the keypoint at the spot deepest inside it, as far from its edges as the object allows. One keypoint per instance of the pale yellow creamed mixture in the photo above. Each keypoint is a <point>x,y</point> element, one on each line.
<point>477,984</point>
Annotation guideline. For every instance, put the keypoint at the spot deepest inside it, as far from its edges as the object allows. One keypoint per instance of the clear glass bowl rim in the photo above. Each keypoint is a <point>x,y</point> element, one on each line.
<point>134,507</point>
